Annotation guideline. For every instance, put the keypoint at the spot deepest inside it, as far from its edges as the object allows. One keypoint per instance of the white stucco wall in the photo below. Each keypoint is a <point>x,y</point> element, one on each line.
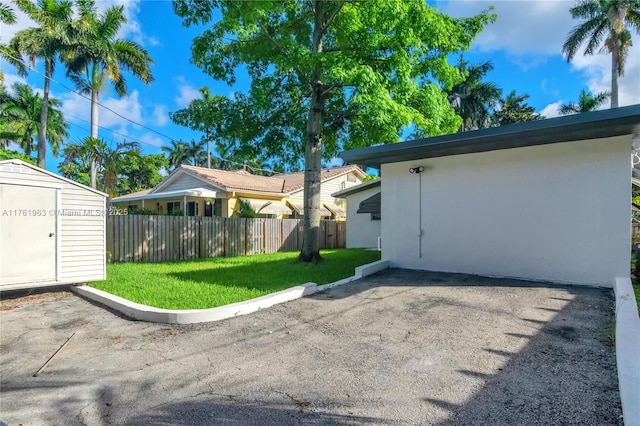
<point>362,232</point>
<point>557,212</point>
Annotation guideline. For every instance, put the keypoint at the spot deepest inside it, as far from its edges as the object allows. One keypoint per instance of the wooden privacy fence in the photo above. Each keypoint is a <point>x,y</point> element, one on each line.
<point>139,238</point>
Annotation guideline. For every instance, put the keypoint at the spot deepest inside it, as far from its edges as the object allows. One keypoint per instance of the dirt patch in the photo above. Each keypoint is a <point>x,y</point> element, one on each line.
<point>8,302</point>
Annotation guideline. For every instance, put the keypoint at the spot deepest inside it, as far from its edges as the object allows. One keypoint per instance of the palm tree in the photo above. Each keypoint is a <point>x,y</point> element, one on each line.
<point>7,15</point>
<point>177,153</point>
<point>473,98</point>
<point>604,18</point>
<point>195,151</point>
<point>20,115</point>
<point>97,55</point>
<point>586,102</point>
<point>45,42</point>
<point>109,161</point>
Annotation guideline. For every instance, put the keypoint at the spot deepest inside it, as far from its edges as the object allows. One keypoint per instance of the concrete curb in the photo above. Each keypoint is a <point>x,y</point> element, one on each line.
<point>361,272</point>
<point>628,350</point>
<point>170,316</point>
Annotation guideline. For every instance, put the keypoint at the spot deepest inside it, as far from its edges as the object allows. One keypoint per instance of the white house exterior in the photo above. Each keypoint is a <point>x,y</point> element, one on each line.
<point>363,228</point>
<point>52,230</point>
<point>546,200</point>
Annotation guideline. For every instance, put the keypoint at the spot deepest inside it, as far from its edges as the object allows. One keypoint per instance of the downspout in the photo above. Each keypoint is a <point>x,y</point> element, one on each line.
<point>184,205</point>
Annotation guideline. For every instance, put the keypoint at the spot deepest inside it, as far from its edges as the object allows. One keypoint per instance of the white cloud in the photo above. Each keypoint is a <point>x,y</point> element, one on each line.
<point>78,108</point>
<point>149,139</point>
<point>187,93</point>
<point>10,79</point>
<point>522,26</point>
<point>160,114</point>
<point>551,110</point>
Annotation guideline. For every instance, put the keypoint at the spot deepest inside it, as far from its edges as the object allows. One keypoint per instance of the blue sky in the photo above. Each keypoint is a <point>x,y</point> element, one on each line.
<point>524,45</point>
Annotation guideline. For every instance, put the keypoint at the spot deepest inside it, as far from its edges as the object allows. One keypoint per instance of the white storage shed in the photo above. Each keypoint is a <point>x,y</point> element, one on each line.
<point>52,230</point>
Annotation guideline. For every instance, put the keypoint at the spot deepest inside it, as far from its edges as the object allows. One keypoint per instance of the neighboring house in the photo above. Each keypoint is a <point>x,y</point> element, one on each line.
<point>52,230</point>
<point>543,200</point>
<point>363,214</point>
<point>198,191</point>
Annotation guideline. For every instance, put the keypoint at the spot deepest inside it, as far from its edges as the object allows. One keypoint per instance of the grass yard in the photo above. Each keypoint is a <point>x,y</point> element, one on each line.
<point>207,283</point>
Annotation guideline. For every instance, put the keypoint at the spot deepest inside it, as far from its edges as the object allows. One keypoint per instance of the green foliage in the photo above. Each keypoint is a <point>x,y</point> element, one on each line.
<point>46,41</point>
<point>110,162</point>
<point>327,76</point>
<point>6,154</point>
<point>138,172</point>
<point>513,109</point>
<point>177,212</point>
<point>368,178</point>
<point>208,283</point>
<point>244,209</point>
<point>473,99</point>
<point>586,102</point>
<point>20,112</point>
<point>381,67</point>
<point>145,211</point>
<point>7,15</point>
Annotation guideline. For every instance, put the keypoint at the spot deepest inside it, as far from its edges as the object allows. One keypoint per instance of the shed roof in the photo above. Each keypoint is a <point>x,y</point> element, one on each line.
<point>590,125</point>
<point>20,163</point>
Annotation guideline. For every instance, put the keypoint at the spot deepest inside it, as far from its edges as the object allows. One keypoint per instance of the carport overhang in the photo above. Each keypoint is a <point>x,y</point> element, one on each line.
<point>578,127</point>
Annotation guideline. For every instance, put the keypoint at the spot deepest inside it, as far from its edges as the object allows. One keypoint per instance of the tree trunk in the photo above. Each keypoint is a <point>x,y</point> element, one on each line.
<point>42,132</point>
<point>313,152</point>
<point>614,73</point>
<point>94,127</point>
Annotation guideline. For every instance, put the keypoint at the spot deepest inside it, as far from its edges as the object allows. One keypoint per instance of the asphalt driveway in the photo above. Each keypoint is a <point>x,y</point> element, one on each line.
<point>398,347</point>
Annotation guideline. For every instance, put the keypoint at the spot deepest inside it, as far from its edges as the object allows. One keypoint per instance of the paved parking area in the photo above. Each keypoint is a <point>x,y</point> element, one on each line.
<point>398,347</point>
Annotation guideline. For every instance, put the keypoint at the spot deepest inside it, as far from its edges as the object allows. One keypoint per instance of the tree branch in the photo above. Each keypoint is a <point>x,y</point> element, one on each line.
<point>331,18</point>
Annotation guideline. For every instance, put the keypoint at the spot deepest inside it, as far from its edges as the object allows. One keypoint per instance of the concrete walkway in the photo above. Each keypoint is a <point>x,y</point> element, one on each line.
<point>398,347</point>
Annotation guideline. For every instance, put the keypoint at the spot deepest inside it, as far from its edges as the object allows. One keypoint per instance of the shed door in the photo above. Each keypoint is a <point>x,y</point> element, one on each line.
<point>27,234</point>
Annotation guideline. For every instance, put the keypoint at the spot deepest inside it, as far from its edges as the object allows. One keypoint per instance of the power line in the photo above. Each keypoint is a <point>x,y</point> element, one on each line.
<point>107,129</point>
<point>123,117</point>
<point>89,99</point>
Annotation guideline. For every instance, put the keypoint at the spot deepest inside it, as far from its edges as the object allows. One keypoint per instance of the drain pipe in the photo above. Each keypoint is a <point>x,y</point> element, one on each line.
<point>418,170</point>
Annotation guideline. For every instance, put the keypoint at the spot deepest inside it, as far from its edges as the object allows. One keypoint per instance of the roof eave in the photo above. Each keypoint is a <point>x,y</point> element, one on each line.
<point>24,163</point>
<point>358,188</point>
<point>594,125</point>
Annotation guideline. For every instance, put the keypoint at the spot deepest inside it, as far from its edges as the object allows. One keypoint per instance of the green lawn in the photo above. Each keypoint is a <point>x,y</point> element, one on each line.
<point>208,283</point>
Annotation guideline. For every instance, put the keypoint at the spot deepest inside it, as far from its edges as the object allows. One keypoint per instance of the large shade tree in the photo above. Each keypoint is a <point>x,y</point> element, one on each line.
<point>20,112</point>
<point>606,24</point>
<point>45,41</point>
<point>329,75</point>
<point>97,56</point>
